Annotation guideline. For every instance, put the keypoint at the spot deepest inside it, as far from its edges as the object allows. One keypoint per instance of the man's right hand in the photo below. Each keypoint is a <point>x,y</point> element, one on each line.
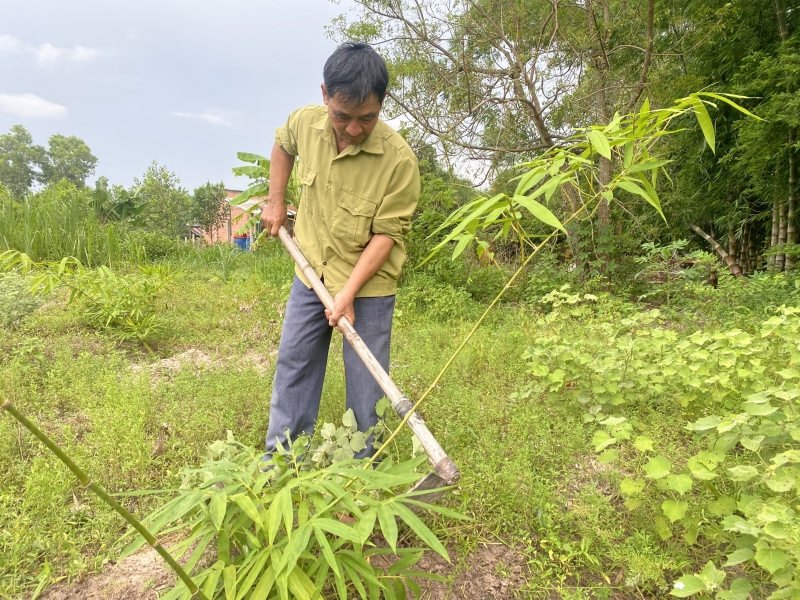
<point>273,215</point>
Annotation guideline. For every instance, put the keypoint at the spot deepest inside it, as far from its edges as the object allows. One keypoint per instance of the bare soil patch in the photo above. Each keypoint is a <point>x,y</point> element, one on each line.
<point>491,572</point>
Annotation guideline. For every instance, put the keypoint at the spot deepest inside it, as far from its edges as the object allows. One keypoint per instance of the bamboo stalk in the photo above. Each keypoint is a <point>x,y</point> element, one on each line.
<point>736,271</point>
<point>120,510</point>
<point>444,465</point>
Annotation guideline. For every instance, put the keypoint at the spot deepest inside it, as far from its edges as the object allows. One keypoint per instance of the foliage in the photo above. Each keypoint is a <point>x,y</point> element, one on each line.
<point>57,222</point>
<point>149,246</point>
<point>117,205</point>
<point>739,392</point>
<point>210,208</point>
<point>124,305</point>
<point>16,300</point>
<point>19,160</point>
<point>168,206</point>
<point>67,158</point>
<point>439,301</point>
<point>294,531</point>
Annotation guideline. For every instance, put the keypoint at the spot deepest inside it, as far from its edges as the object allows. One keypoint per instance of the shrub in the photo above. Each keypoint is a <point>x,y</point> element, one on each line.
<point>143,246</point>
<point>16,299</point>
<point>440,301</point>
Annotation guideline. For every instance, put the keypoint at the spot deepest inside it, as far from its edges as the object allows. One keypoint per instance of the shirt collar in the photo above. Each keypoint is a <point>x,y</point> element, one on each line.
<point>373,144</point>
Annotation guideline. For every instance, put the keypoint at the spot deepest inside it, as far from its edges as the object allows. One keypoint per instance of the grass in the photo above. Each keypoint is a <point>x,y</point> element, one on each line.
<point>530,479</point>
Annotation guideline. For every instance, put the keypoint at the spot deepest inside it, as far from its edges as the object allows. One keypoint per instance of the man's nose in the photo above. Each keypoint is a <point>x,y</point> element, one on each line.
<point>354,129</point>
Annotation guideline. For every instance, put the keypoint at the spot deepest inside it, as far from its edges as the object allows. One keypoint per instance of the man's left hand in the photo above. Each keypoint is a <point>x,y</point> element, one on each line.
<point>342,307</point>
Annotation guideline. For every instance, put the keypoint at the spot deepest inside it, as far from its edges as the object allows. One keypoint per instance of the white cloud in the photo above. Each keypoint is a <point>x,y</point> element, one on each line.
<point>48,55</point>
<point>30,106</point>
<point>209,116</point>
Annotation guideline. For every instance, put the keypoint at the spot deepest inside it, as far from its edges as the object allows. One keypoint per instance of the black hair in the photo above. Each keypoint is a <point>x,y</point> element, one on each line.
<point>356,72</point>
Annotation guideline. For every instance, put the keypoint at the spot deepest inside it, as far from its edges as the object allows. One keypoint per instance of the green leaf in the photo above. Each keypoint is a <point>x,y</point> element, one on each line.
<point>760,409</point>
<point>249,157</point>
<point>686,586</point>
<point>699,470</point>
<point>663,529</point>
<point>599,143</point>
<point>249,508</point>
<point>789,373</point>
<point>680,483</point>
<point>264,586</point>
<point>609,456</point>
<point>739,590</point>
<point>706,125</point>
<point>739,556</point>
<point>327,552</point>
<point>388,525</point>
<point>210,584</point>
<point>631,487</point>
<point>657,467</point>
<point>217,507</point>
<point>771,559</point>
<point>643,444</point>
<point>674,510</point>
<point>229,580</point>
<point>540,212</point>
<point>296,546</point>
<point>742,473</point>
<point>338,529</point>
<point>601,440</point>
<point>425,534</point>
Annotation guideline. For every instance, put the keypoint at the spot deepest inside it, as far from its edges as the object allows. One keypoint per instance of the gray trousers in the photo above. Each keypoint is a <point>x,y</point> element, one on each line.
<point>303,355</point>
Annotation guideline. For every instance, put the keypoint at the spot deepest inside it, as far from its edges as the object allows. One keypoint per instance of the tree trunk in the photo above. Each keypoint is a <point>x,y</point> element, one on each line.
<point>744,250</point>
<point>735,270</point>
<point>791,232</point>
<point>732,242</point>
<point>773,239</point>
<point>780,259</point>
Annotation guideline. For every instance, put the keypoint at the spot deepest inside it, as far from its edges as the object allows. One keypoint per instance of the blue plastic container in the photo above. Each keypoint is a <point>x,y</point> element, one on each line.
<point>243,243</point>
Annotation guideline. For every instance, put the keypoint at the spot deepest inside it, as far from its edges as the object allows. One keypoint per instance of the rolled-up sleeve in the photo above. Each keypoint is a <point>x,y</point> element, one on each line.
<point>286,135</point>
<point>393,217</point>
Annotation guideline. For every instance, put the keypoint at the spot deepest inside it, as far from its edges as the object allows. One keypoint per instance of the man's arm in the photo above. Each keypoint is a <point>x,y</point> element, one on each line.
<point>273,211</point>
<point>370,261</point>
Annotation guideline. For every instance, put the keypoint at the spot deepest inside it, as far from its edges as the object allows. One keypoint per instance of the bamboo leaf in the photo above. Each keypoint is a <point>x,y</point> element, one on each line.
<point>211,582</point>
<point>264,586</point>
<point>255,571</point>
<point>599,143</point>
<point>229,581</point>
<point>297,544</point>
<point>703,118</point>
<point>539,211</point>
<point>249,508</point>
<point>463,242</point>
<point>297,584</point>
<point>388,525</point>
<point>425,534</point>
<point>338,529</point>
<point>327,552</point>
<point>217,507</point>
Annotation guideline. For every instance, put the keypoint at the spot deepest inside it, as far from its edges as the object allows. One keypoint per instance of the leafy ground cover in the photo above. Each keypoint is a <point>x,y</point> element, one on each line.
<point>510,413</point>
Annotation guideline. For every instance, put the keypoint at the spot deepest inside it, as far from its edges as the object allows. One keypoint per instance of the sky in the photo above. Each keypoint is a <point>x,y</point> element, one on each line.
<point>184,83</point>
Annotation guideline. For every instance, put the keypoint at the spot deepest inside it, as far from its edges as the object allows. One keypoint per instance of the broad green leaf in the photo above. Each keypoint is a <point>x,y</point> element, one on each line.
<point>425,534</point>
<point>631,487</point>
<point>771,559</point>
<point>759,410</point>
<point>657,467</point>
<point>789,373</point>
<point>737,523</point>
<point>777,530</point>
<point>601,440</point>
<point>686,586</point>
<point>739,556</point>
<point>632,503</point>
<point>599,143</point>
<point>663,529</point>
<point>540,211</point>
<point>251,158</point>
<point>739,590</point>
<point>608,456</point>
<point>674,510</point>
<point>388,525</point>
<point>680,483</point>
<point>643,444</point>
<point>699,470</point>
<point>742,473</point>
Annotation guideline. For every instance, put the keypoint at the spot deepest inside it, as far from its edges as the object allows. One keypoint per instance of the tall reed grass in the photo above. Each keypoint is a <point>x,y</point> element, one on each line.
<point>57,222</point>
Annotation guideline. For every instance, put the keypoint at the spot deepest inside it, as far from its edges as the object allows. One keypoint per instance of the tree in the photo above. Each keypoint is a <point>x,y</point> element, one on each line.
<point>210,207</point>
<point>67,158</point>
<point>20,160</point>
<point>169,206</point>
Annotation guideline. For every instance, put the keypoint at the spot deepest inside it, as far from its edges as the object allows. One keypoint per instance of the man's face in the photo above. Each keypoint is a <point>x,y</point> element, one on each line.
<point>352,123</point>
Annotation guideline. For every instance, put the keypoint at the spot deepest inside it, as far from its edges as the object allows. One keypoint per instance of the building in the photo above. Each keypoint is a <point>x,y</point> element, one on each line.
<point>238,217</point>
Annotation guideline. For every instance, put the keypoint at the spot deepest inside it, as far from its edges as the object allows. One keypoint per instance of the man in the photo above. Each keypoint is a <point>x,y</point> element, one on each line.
<point>360,186</point>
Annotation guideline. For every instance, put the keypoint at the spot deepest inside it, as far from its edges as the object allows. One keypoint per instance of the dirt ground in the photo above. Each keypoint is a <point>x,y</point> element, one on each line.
<point>492,572</point>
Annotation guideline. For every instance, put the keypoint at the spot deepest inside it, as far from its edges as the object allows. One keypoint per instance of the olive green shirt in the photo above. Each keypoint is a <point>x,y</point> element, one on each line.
<point>347,198</point>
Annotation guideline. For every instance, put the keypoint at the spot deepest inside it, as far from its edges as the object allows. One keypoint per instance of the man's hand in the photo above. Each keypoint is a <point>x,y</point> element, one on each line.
<point>273,215</point>
<point>342,307</point>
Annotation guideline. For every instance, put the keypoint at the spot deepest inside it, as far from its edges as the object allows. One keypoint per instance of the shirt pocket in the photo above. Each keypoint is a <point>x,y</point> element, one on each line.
<point>306,176</point>
<point>352,219</point>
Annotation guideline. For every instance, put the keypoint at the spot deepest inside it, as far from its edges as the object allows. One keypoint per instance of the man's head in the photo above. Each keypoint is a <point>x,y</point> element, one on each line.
<point>355,80</point>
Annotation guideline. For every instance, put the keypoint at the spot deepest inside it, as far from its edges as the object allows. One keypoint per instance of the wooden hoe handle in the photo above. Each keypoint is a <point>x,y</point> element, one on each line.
<point>445,467</point>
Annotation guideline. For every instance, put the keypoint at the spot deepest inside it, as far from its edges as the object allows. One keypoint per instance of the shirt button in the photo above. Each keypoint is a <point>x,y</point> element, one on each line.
<point>324,263</point>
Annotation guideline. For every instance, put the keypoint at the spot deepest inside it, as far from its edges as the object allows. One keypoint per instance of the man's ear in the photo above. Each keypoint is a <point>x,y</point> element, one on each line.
<point>324,94</point>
